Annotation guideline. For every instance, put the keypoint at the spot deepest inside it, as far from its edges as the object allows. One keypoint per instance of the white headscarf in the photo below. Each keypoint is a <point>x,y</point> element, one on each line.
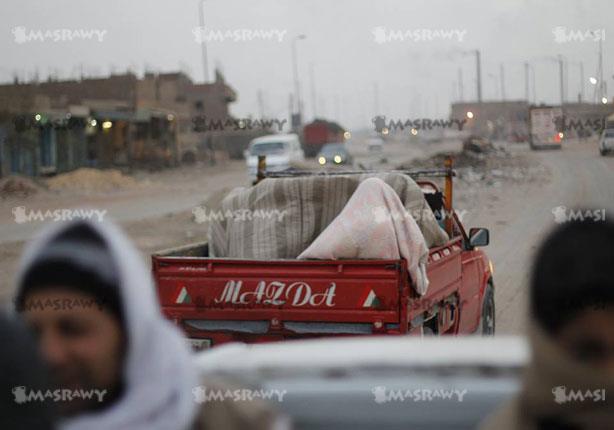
<point>159,373</point>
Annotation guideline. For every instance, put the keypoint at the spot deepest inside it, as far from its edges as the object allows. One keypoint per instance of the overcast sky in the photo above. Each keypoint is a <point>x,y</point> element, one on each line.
<point>349,59</point>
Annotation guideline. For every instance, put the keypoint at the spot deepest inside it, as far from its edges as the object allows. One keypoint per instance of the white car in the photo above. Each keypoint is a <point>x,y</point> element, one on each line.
<point>606,141</point>
<point>375,144</point>
<point>281,151</point>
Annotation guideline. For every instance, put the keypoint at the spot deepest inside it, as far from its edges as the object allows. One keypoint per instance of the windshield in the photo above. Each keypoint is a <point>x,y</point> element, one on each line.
<point>267,148</point>
<point>333,149</point>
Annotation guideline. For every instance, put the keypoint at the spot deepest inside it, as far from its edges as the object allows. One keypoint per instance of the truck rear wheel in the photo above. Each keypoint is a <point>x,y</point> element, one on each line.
<point>486,327</point>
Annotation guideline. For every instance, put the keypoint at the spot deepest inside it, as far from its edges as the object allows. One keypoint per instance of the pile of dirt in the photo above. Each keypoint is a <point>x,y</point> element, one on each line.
<point>92,180</point>
<point>490,166</point>
<point>18,186</point>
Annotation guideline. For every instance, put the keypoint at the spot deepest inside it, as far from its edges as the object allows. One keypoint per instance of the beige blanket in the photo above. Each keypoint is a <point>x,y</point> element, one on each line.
<point>280,217</point>
<point>374,225</point>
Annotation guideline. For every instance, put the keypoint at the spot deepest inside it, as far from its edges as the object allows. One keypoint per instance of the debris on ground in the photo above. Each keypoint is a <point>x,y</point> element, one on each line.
<point>482,162</point>
<point>92,180</point>
<point>18,186</point>
<point>477,145</point>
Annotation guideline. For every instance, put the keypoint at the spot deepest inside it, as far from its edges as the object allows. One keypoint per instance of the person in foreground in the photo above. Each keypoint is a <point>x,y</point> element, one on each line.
<point>569,383</point>
<point>22,373</point>
<point>85,292</point>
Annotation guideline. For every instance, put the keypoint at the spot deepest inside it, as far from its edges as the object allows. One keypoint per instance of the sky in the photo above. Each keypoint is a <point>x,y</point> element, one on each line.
<point>399,58</point>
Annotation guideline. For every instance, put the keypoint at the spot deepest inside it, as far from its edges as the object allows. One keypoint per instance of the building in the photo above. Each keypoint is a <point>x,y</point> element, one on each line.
<point>122,120</point>
<point>496,120</point>
<point>509,120</point>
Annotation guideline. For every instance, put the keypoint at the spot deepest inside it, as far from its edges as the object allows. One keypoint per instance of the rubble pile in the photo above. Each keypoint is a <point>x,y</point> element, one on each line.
<point>486,164</point>
<point>18,186</point>
<point>91,180</point>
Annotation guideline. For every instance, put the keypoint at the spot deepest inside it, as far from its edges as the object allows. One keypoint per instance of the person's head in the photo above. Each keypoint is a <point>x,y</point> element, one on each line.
<point>85,290</point>
<point>572,290</point>
<point>22,375</point>
<point>69,296</point>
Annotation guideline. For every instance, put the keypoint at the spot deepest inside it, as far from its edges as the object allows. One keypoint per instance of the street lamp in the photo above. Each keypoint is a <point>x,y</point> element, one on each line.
<point>295,71</point>
<point>203,44</point>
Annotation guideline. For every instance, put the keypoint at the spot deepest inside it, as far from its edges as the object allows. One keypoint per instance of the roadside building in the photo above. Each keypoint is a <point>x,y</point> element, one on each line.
<point>121,120</point>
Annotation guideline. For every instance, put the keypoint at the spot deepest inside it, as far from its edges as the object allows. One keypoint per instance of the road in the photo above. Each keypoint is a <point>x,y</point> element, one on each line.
<point>521,216</point>
<point>517,214</point>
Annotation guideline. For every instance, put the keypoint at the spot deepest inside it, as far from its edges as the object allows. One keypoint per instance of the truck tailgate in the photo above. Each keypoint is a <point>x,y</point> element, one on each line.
<point>284,292</point>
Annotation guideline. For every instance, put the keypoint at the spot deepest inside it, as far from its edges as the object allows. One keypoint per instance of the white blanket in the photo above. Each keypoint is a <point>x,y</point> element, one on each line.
<point>374,224</point>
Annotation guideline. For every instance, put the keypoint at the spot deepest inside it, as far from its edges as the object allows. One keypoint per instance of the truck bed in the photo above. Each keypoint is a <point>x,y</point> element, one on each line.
<point>225,299</point>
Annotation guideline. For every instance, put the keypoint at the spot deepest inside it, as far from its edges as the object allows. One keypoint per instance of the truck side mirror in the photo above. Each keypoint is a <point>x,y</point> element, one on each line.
<point>479,237</point>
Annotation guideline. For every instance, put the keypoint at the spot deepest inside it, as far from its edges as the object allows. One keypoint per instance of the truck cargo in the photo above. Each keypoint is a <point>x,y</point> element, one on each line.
<point>219,300</point>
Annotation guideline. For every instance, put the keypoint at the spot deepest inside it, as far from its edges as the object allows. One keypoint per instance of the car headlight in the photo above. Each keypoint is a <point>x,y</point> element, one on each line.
<point>337,159</point>
<point>322,160</point>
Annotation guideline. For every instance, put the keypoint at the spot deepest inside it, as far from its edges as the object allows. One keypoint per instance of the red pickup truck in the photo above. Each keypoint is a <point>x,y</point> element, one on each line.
<point>216,300</point>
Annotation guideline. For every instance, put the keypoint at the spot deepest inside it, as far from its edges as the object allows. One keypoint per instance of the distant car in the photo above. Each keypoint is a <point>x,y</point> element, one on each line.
<point>606,141</point>
<point>281,151</point>
<point>375,144</point>
<point>334,153</point>
<point>376,383</point>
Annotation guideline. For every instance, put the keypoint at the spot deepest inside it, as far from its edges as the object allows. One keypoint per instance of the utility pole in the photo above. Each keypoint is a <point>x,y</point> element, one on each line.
<point>479,75</point>
<point>376,99</point>
<point>502,77</point>
<point>313,90</point>
<point>260,104</point>
<point>203,44</point>
<point>602,89</point>
<point>562,87</point>
<point>297,94</point>
<point>526,81</point>
<point>581,81</point>
<point>460,85</point>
